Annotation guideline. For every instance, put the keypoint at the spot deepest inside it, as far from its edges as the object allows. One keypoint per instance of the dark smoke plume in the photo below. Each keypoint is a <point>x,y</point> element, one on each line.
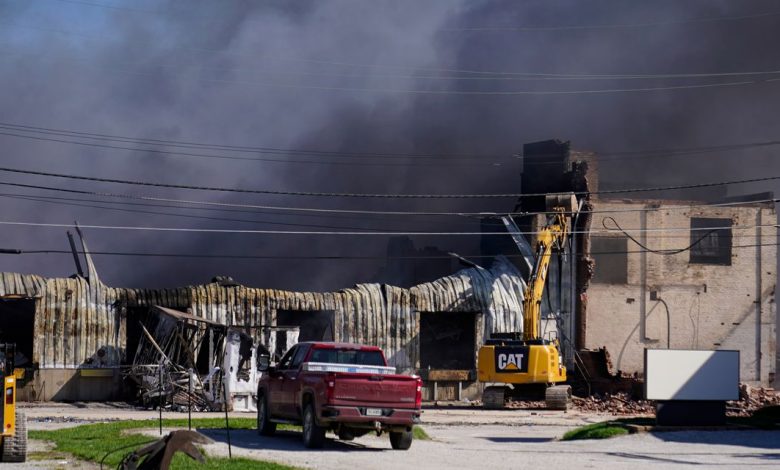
<point>325,75</point>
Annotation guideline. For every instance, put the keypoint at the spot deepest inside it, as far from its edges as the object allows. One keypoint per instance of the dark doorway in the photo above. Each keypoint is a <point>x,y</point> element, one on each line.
<point>315,325</point>
<point>17,325</point>
<point>448,340</point>
<point>135,317</point>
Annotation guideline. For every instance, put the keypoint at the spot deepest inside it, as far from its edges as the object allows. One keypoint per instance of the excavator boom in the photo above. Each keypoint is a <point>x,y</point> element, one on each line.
<point>528,365</point>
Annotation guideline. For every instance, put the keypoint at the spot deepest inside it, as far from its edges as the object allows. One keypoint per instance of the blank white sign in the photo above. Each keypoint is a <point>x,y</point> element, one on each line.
<point>672,374</point>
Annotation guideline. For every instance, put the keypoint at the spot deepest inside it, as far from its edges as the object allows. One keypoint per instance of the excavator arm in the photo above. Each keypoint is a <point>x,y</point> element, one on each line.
<point>551,236</point>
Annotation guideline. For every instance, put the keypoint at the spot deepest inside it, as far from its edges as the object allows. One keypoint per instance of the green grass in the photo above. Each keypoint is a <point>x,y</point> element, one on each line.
<point>596,431</point>
<point>765,418</point>
<point>420,434</point>
<point>93,441</point>
<point>607,429</point>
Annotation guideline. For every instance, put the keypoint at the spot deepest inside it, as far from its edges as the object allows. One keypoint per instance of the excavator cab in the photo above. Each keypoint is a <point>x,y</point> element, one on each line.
<point>13,447</point>
<point>524,365</point>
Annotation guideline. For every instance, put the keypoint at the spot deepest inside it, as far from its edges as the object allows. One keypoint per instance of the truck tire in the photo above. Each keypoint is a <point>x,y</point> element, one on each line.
<point>401,440</point>
<point>264,425</point>
<point>313,435</point>
<point>15,447</point>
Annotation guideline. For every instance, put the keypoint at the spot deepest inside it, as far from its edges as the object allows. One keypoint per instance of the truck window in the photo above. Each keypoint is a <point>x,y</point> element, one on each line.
<point>347,356</point>
<point>299,355</point>
<point>287,358</point>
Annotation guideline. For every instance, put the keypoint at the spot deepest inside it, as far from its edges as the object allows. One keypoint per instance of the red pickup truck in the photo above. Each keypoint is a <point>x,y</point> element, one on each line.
<point>346,388</point>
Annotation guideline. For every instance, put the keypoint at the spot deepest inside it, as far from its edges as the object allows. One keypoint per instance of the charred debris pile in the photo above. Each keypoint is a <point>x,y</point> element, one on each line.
<point>183,360</point>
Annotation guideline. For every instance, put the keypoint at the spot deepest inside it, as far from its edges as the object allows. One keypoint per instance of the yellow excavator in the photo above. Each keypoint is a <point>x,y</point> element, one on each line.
<point>525,366</point>
<point>13,447</point>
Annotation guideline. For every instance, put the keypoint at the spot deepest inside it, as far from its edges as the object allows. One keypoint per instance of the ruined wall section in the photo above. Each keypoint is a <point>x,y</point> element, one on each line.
<point>711,306</point>
<point>76,323</point>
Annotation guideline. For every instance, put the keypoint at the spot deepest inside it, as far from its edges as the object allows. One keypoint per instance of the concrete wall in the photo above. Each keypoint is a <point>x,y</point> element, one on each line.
<point>73,385</point>
<point>710,306</point>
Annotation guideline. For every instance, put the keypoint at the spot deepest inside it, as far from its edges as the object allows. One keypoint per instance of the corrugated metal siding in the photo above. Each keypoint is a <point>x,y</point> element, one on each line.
<point>75,319</point>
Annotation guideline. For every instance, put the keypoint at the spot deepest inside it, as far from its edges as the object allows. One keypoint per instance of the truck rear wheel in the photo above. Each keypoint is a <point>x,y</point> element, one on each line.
<point>15,447</point>
<point>264,425</point>
<point>401,440</point>
<point>313,435</point>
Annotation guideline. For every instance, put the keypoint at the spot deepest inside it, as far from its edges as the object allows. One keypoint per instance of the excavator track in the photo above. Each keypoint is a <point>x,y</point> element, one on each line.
<point>494,397</point>
<point>14,448</point>
<point>558,397</point>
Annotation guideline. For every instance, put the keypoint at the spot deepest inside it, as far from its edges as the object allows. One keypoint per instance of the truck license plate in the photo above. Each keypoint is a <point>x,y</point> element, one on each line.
<point>373,412</point>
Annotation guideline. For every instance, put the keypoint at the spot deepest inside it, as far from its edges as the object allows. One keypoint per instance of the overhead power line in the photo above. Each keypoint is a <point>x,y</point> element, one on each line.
<point>297,210</point>
<point>311,152</point>
<point>313,257</point>
<point>86,203</point>
<point>241,148</point>
<point>321,212</point>
<point>448,70</point>
<point>48,200</point>
<point>435,92</point>
<point>361,233</point>
<point>455,75</point>
<point>376,195</point>
<point>484,215</point>
<point>234,157</point>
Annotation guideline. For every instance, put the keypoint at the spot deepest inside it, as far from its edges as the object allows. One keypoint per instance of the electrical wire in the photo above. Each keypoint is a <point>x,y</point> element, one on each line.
<point>650,250</point>
<point>234,157</point>
<point>410,91</point>
<point>297,210</point>
<point>351,233</point>
<point>103,37</point>
<point>527,160</point>
<point>316,257</point>
<point>58,201</point>
<point>240,148</point>
<point>488,161</point>
<point>191,216</point>
<point>377,195</point>
<point>472,75</point>
<point>318,212</point>
<point>75,202</point>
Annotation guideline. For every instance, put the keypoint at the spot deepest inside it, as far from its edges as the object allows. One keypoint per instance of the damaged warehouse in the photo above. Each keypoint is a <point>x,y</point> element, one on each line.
<point>83,340</point>
<point>82,328</point>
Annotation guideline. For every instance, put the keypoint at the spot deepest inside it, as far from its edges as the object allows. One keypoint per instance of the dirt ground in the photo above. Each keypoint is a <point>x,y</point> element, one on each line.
<point>463,438</point>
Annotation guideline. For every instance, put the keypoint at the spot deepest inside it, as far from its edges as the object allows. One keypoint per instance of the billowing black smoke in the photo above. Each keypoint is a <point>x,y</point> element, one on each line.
<point>326,76</point>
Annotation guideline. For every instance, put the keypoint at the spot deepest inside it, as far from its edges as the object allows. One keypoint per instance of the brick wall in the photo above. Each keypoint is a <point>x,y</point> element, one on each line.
<point>710,306</point>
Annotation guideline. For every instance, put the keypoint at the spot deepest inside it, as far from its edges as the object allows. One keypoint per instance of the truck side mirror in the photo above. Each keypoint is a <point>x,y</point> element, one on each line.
<point>263,363</point>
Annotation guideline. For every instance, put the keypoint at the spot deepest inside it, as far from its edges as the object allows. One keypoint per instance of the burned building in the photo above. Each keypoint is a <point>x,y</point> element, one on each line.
<point>82,336</point>
<point>636,274</point>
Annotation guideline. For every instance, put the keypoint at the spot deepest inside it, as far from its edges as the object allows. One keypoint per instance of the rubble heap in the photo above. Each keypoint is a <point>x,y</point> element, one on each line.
<point>751,399</point>
<point>619,403</point>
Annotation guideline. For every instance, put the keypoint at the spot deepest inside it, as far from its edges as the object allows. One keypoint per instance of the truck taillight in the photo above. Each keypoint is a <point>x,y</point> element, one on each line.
<point>9,396</point>
<point>330,387</point>
<point>418,396</point>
